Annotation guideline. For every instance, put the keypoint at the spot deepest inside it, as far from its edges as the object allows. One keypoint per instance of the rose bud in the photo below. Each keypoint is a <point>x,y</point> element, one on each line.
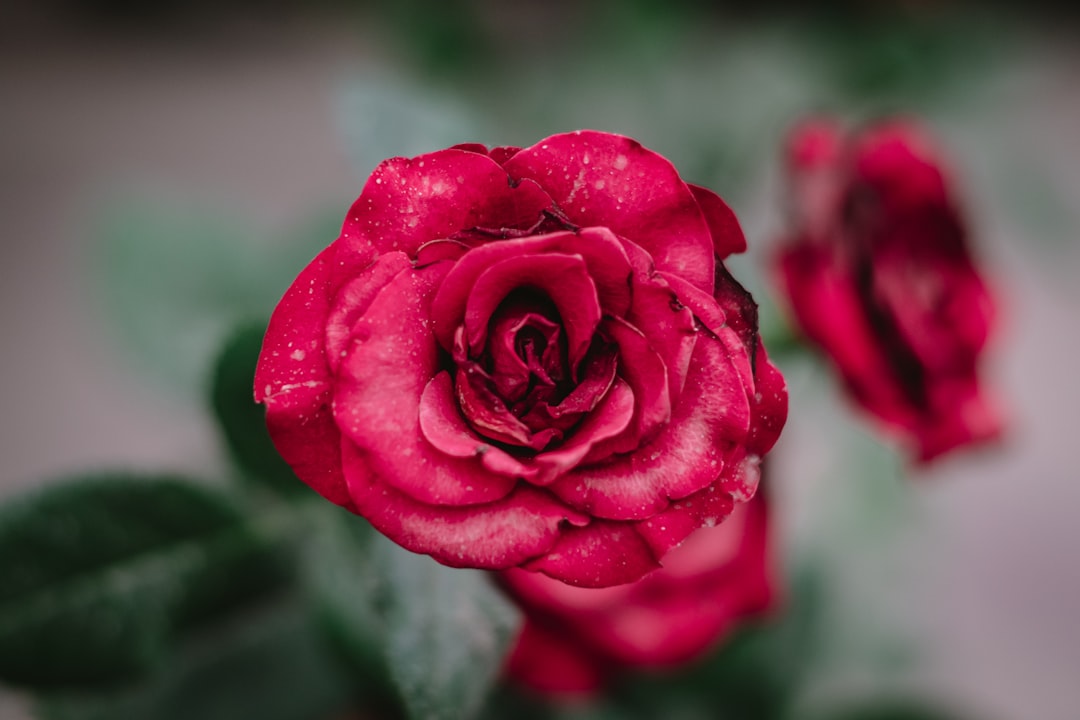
<point>527,358</point>
<point>878,274</point>
<point>574,639</point>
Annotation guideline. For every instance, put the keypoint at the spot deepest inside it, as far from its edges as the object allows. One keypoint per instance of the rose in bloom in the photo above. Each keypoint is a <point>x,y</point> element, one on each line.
<point>574,638</point>
<point>527,357</point>
<point>878,274</point>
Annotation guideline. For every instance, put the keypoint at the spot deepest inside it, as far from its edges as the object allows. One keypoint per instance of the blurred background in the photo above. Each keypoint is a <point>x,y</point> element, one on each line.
<point>167,168</point>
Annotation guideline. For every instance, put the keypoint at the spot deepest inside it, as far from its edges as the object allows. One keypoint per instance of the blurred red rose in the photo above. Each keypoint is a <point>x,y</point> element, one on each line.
<point>574,638</point>
<point>878,273</point>
<point>527,358</point>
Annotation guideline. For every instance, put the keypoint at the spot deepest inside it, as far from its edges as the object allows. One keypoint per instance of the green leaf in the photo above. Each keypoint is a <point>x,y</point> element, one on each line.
<point>242,422</point>
<point>267,663</point>
<point>438,634</point>
<point>447,632</point>
<point>98,574</point>
<point>176,277</point>
<point>350,599</point>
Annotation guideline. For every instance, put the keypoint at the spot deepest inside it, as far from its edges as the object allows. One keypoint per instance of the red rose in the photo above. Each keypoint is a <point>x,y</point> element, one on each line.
<point>878,273</point>
<point>528,358</point>
<point>573,638</point>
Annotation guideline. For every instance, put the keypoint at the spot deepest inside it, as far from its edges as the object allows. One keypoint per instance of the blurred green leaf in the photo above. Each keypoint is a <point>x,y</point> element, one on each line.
<point>242,422</point>
<point>176,278</point>
<point>447,632</point>
<point>266,663</point>
<point>99,572</point>
<point>438,634</point>
<point>350,598</point>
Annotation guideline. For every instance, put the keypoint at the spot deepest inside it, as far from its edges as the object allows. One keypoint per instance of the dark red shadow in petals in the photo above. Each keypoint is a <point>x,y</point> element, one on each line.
<point>687,456</point>
<point>610,417</point>
<point>445,429</point>
<point>517,329</point>
<point>410,201</point>
<point>562,278</point>
<point>600,366</point>
<point>597,555</point>
<point>488,414</point>
<point>505,533</point>
<point>601,179</point>
<point>727,234</point>
<point>378,392</point>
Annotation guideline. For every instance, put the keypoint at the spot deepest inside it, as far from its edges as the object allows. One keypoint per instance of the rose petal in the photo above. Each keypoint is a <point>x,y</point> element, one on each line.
<point>302,427</point>
<point>563,278</point>
<point>548,663</point>
<point>511,374</point>
<point>597,555</point>
<point>608,420</point>
<point>727,235</point>
<point>292,351</point>
<point>445,429</point>
<point>602,253</point>
<point>487,413</point>
<point>606,180</point>
<point>600,366</point>
<point>769,405</point>
<point>353,300</point>
<point>644,370</point>
<point>704,509</point>
<point>687,456</point>
<point>378,391</point>
<point>410,201</point>
<point>662,318</point>
<point>292,378</point>
<point>494,536</point>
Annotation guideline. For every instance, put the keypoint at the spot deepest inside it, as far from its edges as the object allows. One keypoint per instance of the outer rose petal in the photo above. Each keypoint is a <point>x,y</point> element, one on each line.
<point>378,393</point>
<point>409,201</point>
<point>498,535</point>
<point>597,555</point>
<point>612,181</point>
<point>293,380</point>
<point>727,234</point>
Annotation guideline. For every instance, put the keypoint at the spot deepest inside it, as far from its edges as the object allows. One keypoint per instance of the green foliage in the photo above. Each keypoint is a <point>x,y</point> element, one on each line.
<point>175,279</point>
<point>439,634</point>
<point>99,573</point>
<point>266,662</point>
<point>241,421</point>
